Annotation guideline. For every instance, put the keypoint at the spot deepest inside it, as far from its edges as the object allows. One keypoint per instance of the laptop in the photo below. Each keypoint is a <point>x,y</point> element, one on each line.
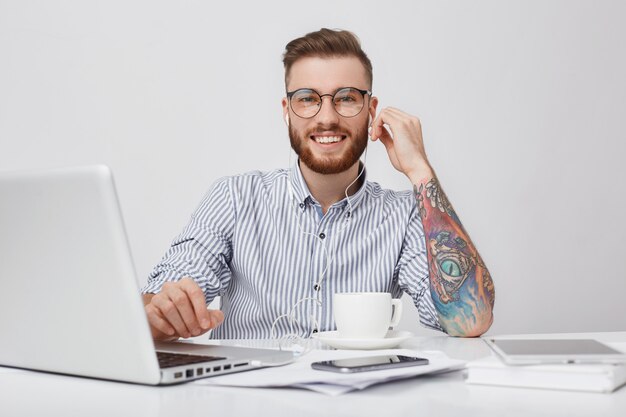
<point>70,301</point>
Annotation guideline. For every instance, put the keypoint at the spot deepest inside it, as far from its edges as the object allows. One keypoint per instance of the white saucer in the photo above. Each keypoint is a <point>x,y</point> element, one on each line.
<point>392,339</point>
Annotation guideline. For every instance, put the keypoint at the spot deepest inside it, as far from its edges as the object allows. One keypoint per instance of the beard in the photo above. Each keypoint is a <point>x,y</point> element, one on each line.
<point>329,165</point>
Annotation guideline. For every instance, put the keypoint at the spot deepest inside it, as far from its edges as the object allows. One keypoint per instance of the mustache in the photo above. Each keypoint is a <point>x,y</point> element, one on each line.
<point>335,127</point>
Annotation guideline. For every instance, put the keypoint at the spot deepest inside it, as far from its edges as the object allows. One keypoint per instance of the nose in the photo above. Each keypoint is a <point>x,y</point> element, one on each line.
<point>327,116</point>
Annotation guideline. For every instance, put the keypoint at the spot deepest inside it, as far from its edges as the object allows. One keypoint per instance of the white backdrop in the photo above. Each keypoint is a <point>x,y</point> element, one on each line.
<point>523,106</point>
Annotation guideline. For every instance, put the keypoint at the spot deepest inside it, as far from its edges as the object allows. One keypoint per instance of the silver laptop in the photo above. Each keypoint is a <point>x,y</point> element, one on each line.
<point>69,297</point>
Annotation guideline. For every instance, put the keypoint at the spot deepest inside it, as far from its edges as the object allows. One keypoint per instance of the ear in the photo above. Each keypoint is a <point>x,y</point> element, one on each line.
<point>372,109</point>
<point>285,104</point>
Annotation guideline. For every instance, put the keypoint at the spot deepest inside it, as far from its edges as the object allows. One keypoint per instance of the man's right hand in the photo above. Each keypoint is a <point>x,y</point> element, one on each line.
<point>180,310</point>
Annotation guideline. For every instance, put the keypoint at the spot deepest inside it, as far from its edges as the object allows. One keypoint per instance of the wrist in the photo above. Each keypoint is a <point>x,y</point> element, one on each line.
<point>421,174</point>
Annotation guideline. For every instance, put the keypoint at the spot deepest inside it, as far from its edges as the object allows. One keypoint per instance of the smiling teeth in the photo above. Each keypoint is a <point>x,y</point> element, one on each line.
<point>327,139</point>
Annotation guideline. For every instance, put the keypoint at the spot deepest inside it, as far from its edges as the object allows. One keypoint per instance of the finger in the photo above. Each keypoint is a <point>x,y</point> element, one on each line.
<point>399,113</point>
<point>157,322</point>
<point>169,311</point>
<point>216,317</point>
<point>387,140</point>
<point>385,117</point>
<point>185,309</point>
<point>386,134</point>
<point>395,122</point>
<point>406,121</point>
<point>198,302</point>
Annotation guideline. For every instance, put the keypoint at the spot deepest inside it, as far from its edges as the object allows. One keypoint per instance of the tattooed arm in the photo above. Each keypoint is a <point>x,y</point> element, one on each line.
<point>461,286</point>
<point>460,283</point>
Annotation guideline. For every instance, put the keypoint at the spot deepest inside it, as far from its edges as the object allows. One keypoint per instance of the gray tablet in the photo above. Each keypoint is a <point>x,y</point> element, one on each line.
<point>540,351</point>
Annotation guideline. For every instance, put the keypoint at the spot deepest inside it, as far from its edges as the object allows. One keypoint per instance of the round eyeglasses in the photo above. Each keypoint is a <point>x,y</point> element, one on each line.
<point>306,102</point>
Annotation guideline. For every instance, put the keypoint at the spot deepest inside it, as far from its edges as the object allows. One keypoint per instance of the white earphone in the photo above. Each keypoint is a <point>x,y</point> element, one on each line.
<point>287,119</point>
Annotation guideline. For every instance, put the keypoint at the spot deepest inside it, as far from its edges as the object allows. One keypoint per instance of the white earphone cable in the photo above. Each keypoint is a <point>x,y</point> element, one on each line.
<point>294,337</point>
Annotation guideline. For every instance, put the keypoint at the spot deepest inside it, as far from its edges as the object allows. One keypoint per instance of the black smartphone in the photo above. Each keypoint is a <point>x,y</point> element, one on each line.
<point>369,363</point>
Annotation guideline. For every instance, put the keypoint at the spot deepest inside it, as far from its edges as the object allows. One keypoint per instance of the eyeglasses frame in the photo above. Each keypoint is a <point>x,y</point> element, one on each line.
<point>332,96</point>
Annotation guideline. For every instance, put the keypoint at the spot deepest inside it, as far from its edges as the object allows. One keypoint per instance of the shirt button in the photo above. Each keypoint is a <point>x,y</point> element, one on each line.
<point>301,205</point>
<point>314,330</point>
<point>316,287</point>
<point>322,235</point>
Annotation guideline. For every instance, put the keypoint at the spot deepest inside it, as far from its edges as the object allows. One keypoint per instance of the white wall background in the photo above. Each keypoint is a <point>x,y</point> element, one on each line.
<point>523,105</point>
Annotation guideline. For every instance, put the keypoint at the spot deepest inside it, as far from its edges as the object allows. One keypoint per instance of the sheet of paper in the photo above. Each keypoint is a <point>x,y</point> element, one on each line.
<point>328,389</point>
<point>300,374</point>
<point>6,370</point>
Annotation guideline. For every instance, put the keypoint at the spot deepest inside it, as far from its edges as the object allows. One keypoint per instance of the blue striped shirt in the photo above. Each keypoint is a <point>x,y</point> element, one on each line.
<point>259,241</point>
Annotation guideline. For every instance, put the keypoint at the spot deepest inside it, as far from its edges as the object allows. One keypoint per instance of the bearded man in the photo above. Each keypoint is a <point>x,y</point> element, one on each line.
<point>276,246</point>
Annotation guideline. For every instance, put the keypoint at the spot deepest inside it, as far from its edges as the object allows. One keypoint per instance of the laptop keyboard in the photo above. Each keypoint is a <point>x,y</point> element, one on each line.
<point>170,360</point>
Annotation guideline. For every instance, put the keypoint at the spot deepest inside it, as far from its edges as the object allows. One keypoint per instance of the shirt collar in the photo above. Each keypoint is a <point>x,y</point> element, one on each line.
<point>303,195</point>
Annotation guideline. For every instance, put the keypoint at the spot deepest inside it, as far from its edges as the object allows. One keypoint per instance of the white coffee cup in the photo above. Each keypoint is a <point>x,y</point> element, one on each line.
<point>365,315</point>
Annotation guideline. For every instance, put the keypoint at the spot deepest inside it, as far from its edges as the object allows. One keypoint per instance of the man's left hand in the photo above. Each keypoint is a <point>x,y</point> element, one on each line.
<point>404,144</point>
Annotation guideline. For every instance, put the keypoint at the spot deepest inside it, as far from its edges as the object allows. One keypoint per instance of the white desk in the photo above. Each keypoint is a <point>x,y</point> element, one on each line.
<point>24,393</point>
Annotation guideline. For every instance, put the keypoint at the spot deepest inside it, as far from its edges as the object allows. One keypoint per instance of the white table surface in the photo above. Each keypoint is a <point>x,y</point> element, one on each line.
<point>27,393</point>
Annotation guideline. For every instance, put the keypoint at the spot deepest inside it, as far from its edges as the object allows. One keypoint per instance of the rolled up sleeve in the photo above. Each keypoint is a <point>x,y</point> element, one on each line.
<point>203,250</point>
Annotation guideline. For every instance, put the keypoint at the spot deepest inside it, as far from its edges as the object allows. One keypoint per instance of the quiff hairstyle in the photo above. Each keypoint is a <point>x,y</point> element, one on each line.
<point>326,43</point>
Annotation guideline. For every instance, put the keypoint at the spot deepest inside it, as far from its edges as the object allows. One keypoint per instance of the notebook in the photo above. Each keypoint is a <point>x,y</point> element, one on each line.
<point>601,377</point>
<point>69,297</point>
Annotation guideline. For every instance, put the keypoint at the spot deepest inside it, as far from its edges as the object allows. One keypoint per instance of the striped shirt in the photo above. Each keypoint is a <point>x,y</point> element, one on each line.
<point>260,241</point>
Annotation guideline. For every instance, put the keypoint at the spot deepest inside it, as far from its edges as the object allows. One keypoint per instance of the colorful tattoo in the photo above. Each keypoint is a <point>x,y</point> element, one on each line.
<point>437,197</point>
<point>462,288</point>
<point>450,265</point>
